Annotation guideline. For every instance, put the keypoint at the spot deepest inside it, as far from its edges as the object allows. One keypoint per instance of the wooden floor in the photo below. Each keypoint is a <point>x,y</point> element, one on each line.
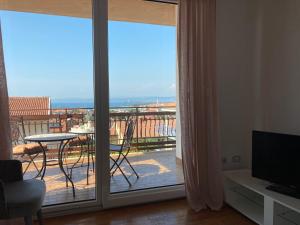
<point>174,212</point>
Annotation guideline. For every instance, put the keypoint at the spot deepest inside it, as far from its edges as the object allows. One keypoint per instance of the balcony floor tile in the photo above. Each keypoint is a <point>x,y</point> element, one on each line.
<point>156,169</point>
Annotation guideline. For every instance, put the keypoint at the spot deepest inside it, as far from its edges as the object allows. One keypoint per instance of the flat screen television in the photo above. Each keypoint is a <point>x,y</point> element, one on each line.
<point>276,158</point>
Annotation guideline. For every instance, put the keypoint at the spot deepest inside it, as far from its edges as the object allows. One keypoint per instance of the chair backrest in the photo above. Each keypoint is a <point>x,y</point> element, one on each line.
<point>54,124</point>
<point>17,131</point>
<point>128,135</point>
<point>74,119</point>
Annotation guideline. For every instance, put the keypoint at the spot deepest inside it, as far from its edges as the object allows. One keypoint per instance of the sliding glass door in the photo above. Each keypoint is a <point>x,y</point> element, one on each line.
<point>143,158</point>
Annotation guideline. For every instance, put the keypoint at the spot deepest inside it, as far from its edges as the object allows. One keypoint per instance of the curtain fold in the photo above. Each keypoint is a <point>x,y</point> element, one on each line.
<point>199,103</point>
<point>5,138</point>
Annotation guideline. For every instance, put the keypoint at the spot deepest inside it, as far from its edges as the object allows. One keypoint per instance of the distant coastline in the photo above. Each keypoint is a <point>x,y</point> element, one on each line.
<point>114,102</point>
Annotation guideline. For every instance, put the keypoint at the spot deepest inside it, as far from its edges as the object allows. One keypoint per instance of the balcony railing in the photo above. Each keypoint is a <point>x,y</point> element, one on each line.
<point>155,126</point>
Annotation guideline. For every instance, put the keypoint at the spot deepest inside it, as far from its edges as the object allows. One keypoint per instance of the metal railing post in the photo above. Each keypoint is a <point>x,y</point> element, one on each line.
<point>137,126</point>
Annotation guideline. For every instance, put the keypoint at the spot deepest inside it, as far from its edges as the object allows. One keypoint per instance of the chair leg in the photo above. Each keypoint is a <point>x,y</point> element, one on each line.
<point>118,167</point>
<point>32,159</point>
<point>40,217</point>
<point>28,220</point>
<point>115,163</point>
<point>88,167</point>
<point>125,158</point>
<point>26,168</point>
<point>93,162</point>
<point>136,174</point>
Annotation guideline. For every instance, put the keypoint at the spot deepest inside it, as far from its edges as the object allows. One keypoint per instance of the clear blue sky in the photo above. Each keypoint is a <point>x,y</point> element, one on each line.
<point>52,56</point>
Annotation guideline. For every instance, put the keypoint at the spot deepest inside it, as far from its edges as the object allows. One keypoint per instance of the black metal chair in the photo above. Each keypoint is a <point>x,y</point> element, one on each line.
<point>23,151</point>
<point>123,151</point>
<point>18,197</point>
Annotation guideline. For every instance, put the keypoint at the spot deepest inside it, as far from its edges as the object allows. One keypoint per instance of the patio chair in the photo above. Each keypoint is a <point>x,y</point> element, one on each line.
<point>74,119</point>
<point>23,151</point>
<point>18,197</point>
<point>123,151</point>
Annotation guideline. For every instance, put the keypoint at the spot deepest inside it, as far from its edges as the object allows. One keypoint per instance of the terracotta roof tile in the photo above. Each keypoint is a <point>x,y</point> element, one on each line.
<point>21,106</point>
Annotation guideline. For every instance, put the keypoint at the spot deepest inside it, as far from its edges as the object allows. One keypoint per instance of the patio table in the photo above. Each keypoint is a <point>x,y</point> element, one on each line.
<point>63,139</point>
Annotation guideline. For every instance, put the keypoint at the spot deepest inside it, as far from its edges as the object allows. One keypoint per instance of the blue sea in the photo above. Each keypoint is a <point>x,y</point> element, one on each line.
<point>114,102</point>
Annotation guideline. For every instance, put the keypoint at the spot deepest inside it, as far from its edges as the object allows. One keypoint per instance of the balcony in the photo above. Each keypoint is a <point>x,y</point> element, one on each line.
<point>153,151</point>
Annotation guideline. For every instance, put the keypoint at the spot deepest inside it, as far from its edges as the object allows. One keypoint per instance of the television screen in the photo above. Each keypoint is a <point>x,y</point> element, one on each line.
<point>276,158</point>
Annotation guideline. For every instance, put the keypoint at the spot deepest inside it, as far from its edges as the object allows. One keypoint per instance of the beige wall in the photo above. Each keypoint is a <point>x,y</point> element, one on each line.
<point>280,72</point>
<point>237,37</point>
<point>258,55</point>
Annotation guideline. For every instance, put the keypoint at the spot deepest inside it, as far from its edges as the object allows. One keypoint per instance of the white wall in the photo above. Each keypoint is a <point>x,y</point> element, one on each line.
<point>237,37</point>
<point>263,58</point>
<point>259,71</point>
<point>258,52</point>
<point>281,65</point>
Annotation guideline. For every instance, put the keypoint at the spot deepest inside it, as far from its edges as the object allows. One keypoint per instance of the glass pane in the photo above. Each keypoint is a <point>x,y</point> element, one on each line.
<point>142,77</point>
<point>49,65</point>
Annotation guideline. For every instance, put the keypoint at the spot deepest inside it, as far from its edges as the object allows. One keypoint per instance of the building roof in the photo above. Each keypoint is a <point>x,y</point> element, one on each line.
<point>24,106</point>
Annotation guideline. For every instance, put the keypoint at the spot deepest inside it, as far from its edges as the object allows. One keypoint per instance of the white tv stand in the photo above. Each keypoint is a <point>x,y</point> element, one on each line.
<point>249,196</point>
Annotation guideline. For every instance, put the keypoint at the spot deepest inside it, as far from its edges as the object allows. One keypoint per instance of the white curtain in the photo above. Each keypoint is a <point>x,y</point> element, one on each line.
<point>5,138</point>
<point>199,103</point>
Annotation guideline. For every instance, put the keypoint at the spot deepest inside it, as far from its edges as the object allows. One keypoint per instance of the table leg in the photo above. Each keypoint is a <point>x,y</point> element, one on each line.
<point>92,151</point>
<point>88,165</point>
<point>61,166</point>
<point>87,151</point>
<point>43,169</point>
<point>75,164</point>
